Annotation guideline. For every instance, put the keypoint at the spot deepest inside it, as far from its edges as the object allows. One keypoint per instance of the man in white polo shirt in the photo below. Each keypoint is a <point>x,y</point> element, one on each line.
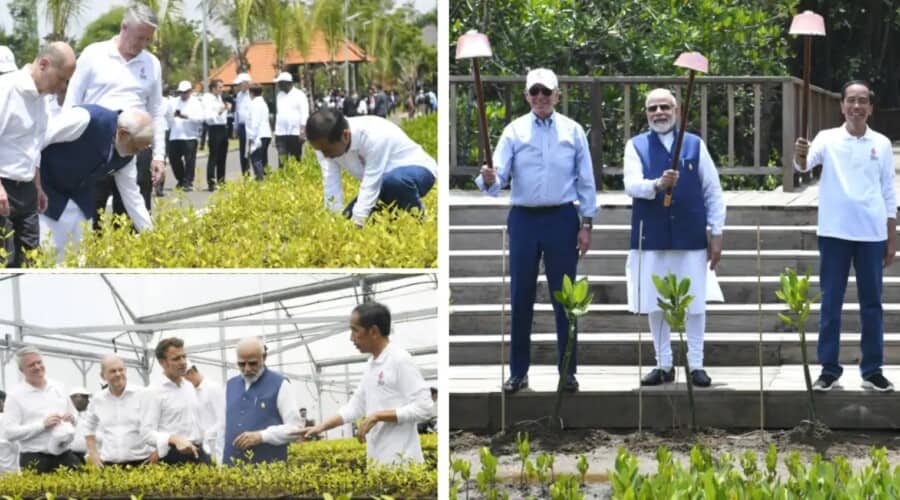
<point>292,111</point>
<point>39,417</point>
<point>114,420</point>
<point>390,166</point>
<point>392,395</point>
<point>187,117</point>
<point>857,223</point>
<point>241,117</point>
<point>120,74</point>
<point>23,109</point>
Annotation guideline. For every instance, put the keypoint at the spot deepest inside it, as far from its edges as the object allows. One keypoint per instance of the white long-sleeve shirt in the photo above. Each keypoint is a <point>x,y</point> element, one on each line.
<point>78,444</point>
<point>26,409</point>
<point>377,146</point>
<point>103,77</point>
<point>242,107</point>
<point>9,452</point>
<point>23,122</point>
<point>856,191</point>
<point>637,186</point>
<point>68,126</point>
<point>115,421</point>
<point>216,113</point>
<point>187,129</point>
<point>258,123</point>
<point>391,382</point>
<point>292,112</point>
<point>170,409</point>
<point>211,398</point>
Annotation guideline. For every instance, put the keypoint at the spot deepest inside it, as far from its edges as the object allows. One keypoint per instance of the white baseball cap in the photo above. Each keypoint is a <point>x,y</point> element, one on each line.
<point>7,60</point>
<point>242,78</point>
<point>541,76</point>
<point>284,76</point>
<point>60,438</point>
<point>184,86</point>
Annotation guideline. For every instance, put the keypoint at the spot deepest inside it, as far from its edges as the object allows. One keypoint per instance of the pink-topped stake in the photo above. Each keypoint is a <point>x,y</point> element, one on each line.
<point>807,24</point>
<point>474,45</point>
<point>693,61</point>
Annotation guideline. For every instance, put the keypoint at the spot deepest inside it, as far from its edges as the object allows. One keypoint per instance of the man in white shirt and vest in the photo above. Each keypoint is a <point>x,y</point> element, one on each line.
<point>40,417</point>
<point>259,132</point>
<point>260,409</point>
<point>292,111</point>
<point>392,395</point>
<point>858,224</point>
<point>121,74</point>
<point>22,128</point>
<point>9,452</point>
<point>216,111</point>
<point>674,237</point>
<point>391,167</point>
<point>170,417</point>
<point>241,117</point>
<point>83,145</point>
<point>187,117</point>
<point>113,420</point>
<point>211,397</point>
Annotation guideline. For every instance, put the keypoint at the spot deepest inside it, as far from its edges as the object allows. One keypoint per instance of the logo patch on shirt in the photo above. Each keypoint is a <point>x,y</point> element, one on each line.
<point>873,155</point>
<point>381,378</point>
<point>143,73</point>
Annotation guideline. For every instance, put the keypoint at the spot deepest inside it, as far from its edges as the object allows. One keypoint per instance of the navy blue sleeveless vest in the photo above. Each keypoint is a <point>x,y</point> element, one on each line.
<point>682,226</point>
<point>252,410</point>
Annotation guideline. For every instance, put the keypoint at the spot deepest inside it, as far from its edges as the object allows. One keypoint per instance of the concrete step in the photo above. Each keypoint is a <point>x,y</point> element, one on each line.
<point>620,349</point>
<point>485,319</point>
<point>618,237</point>
<point>612,289</point>
<point>609,399</point>
<point>612,262</point>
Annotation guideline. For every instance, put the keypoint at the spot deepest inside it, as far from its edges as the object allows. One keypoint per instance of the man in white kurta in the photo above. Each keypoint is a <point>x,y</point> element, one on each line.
<point>672,242</point>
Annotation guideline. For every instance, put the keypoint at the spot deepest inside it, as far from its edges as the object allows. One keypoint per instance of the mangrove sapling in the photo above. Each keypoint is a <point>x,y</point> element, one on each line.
<point>674,301</point>
<point>794,293</point>
<point>575,300</point>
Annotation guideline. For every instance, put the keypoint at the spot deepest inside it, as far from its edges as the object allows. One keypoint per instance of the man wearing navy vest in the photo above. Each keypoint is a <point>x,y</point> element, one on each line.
<point>260,409</point>
<point>674,238</point>
<point>84,145</point>
<point>544,156</point>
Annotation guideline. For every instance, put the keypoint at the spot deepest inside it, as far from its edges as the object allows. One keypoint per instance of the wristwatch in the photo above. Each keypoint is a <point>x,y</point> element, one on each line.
<point>587,223</point>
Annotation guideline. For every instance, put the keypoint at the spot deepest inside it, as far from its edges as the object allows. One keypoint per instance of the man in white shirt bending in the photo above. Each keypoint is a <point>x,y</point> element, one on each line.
<point>292,111</point>
<point>40,417</point>
<point>259,132</point>
<point>113,420</point>
<point>392,395</point>
<point>121,74</point>
<point>216,111</point>
<point>858,223</point>
<point>187,117</point>
<point>23,123</point>
<point>390,166</point>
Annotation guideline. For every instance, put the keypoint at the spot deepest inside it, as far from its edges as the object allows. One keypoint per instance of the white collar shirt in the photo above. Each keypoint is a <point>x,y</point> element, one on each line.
<point>103,77</point>
<point>171,409</point>
<point>215,109</point>
<point>258,122</point>
<point>377,146</point>
<point>242,107</point>
<point>187,129</point>
<point>115,422</point>
<point>26,409</point>
<point>292,112</point>
<point>78,444</point>
<point>9,452</point>
<point>391,382</point>
<point>23,123</point>
<point>856,190</point>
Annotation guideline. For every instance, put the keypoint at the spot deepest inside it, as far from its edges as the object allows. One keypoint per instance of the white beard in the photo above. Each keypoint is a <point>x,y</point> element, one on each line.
<point>662,127</point>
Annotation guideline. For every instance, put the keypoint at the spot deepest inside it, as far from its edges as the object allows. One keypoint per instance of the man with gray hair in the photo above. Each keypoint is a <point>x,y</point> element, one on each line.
<point>39,417</point>
<point>86,144</point>
<point>22,127</point>
<point>120,74</point>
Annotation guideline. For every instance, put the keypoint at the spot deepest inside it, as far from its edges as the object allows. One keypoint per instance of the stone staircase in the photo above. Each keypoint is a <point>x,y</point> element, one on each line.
<point>609,335</point>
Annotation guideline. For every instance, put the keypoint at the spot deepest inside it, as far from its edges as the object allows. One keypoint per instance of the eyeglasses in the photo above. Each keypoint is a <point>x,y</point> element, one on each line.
<point>538,89</point>
<point>661,107</point>
<point>251,364</point>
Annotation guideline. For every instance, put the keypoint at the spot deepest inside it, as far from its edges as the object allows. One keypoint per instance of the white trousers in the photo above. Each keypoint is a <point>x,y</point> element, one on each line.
<point>694,325</point>
<point>69,227</point>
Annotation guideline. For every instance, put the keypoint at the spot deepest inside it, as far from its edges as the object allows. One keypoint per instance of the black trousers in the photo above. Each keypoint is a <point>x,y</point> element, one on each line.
<point>288,146</point>
<point>183,157</point>
<point>133,463</point>
<point>175,457</point>
<point>44,463</point>
<point>106,187</point>
<point>203,130</point>
<point>218,152</point>
<point>22,221</point>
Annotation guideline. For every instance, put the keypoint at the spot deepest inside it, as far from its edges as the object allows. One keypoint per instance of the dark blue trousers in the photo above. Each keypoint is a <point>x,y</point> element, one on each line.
<point>403,186</point>
<point>835,256</point>
<point>242,148</point>
<point>551,233</point>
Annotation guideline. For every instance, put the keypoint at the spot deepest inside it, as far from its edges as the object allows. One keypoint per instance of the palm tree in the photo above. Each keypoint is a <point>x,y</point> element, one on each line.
<point>329,17</point>
<point>278,16</point>
<point>59,14</point>
<point>299,37</point>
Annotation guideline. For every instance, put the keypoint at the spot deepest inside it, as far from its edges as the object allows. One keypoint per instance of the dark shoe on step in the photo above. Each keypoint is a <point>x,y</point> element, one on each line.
<point>658,376</point>
<point>824,383</point>
<point>513,384</point>
<point>878,383</point>
<point>700,379</point>
<point>571,384</point>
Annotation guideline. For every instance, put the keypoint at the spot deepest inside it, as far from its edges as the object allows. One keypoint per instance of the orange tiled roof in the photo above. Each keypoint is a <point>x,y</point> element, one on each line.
<point>261,57</point>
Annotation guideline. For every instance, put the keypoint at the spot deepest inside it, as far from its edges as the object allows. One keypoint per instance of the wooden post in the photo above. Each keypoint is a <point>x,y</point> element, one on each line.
<point>597,131</point>
<point>730,90</point>
<point>788,133</point>
<point>704,98</point>
<point>454,160</point>
<point>564,98</point>
<point>757,112</point>
<point>627,120</point>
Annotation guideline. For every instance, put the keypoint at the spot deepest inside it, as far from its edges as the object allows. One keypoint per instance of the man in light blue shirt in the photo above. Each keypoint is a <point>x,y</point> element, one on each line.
<point>544,157</point>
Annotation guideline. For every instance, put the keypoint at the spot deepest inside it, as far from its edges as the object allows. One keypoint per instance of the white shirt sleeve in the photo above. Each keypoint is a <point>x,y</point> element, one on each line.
<point>503,159</point>
<point>90,418</point>
<point>156,106</point>
<point>67,126</point>
<point>331,181</point>
<point>636,185</point>
<point>126,181</point>
<point>150,412</point>
<point>15,428</point>
<point>79,81</point>
<point>814,156</point>
<point>712,192</point>
<point>290,414</point>
<point>253,123</point>
<point>370,186</point>
<point>356,407</point>
<point>887,181</point>
<point>303,110</point>
<point>416,391</point>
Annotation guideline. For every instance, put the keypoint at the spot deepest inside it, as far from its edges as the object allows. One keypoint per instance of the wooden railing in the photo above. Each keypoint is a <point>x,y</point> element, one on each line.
<point>775,103</point>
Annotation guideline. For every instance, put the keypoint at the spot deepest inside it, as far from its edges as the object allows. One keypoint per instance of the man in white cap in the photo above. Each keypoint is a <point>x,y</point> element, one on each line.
<point>80,399</point>
<point>187,116</point>
<point>7,60</point>
<point>39,417</point>
<point>121,74</point>
<point>259,132</point>
<point>241,117</point>
<point>544,156</point>
<point>24,108</point>
<point>216,111</point>
<point>292,111</point>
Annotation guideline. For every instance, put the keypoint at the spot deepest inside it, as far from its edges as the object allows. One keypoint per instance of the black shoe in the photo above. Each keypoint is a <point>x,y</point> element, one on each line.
<point>658,376</point>
<point>571,384</point>
<point>825,382</point>
<point>700,379</point>
<point>188,189</point>
<point>211,188</point>
<point>513,384</point>
<point>878,383</point>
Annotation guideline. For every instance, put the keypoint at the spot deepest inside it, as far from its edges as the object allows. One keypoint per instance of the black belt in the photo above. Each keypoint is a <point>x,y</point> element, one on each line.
<point>543,209</point>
